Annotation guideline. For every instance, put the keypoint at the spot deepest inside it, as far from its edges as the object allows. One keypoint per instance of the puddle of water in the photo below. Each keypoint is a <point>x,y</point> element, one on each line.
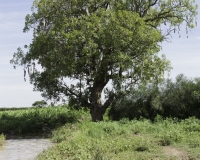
<point>23,149</point>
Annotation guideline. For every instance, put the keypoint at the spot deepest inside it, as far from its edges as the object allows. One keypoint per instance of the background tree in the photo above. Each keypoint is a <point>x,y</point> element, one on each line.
<point>39,103</point>
<point>141,101</point>
<point>98,41</point>
<point>179,98</point>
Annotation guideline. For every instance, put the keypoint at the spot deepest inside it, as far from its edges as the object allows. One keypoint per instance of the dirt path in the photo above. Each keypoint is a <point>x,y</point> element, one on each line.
<point>174,152</point>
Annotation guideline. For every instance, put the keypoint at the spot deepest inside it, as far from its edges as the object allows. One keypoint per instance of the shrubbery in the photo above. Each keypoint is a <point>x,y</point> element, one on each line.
<point>37,120</point>
<point>179,98</point>
<point>125,139</point>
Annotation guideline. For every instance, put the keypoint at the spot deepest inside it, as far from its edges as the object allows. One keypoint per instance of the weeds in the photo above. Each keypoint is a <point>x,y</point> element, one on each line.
<point>78,138</point>
<point>118,140</point>
<point>35,120</point>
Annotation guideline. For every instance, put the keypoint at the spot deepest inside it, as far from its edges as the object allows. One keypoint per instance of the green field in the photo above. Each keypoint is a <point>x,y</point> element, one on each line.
<point>35,120</point>
<point>76,137</point>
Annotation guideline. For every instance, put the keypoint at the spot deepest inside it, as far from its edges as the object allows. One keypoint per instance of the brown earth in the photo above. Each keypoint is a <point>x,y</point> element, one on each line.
<point>174,152</point>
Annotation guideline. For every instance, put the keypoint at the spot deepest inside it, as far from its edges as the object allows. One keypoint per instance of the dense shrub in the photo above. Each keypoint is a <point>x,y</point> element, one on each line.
<point>179,98</point>
<point>37,120</point>
<point>143,101</point>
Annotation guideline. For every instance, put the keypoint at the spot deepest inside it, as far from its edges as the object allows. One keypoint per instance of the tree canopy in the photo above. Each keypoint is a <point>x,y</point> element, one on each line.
<point>98,41</point>
<point>39,104</point>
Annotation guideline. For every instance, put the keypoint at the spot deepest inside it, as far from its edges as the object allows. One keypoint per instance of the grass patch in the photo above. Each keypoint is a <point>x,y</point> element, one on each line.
<point>124,140</point>
<point>103,140</point>
<point>76,137</point>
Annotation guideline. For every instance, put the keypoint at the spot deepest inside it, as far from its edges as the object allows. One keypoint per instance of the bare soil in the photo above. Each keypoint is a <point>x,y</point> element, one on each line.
<point>174,152</point>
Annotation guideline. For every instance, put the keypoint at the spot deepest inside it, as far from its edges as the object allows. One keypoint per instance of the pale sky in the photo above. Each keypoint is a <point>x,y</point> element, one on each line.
<point>184,54</point>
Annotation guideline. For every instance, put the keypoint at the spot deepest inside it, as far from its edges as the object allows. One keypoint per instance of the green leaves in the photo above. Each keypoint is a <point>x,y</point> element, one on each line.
<point>94,42</point>
<point>39,103</point>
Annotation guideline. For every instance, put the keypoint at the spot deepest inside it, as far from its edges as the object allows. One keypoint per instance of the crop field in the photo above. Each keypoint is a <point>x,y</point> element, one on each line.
<point>34,120</point>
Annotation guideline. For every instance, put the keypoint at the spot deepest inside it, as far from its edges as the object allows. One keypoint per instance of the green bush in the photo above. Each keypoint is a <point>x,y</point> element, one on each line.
<point>143,101</point>
<point>179,98</point>
<point>37,120</point>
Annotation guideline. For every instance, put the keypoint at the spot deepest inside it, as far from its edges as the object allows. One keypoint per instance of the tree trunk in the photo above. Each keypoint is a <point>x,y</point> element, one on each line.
<point>97,109</point>
<point>96,113</point>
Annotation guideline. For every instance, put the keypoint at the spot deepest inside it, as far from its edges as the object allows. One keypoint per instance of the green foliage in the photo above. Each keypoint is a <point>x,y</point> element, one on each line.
<point>170,137</point>
<point>104,140</point>
<point>34,120</point>
<point>39,104</point>
<point>194,125</point>
<point>178,99</point>
<point>118,140</point>
<point>142,101</point>
<point>94,42</point>
<point>181,98</point>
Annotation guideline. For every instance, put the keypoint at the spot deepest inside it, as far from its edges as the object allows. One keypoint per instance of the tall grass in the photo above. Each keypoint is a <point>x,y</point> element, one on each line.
<point>124,140</point>
<point>79,138</point>
<point>36,120</point>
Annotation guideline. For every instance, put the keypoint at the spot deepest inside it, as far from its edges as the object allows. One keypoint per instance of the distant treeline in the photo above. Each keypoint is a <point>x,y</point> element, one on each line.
<point>13,108</point>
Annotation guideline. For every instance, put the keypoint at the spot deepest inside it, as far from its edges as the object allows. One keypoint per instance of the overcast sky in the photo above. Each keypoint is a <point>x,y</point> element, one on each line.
<point>184,54</point>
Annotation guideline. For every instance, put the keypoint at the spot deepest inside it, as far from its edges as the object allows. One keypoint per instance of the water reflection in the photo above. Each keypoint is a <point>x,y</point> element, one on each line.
<point>23,149</point>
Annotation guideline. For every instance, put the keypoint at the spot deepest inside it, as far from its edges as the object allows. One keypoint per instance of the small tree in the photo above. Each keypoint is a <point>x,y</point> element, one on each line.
<point>98,41</point>
<point>39,104</point>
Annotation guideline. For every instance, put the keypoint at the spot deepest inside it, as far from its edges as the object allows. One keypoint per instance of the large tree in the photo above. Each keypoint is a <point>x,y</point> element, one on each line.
<point>96,42</point>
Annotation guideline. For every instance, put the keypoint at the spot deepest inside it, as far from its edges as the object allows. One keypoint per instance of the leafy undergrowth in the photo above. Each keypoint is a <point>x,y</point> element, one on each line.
<point>124,140</point>
<point>36,120</point>
<point>78,138</point>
